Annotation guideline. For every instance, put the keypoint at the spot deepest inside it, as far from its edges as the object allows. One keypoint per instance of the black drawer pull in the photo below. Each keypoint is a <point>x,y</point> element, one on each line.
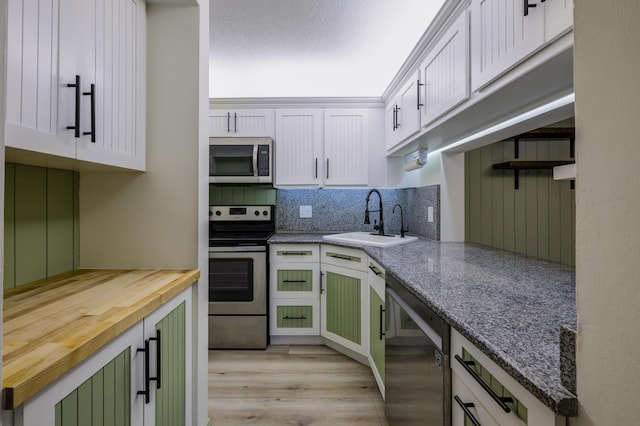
<point>500,400</point>
<point>340,256</point>
<point>301,317</point>
<point>375,270</point>
<point>465,407</point>
<point>293,253</point>
<point>294,281</point>
<point>382,333</point>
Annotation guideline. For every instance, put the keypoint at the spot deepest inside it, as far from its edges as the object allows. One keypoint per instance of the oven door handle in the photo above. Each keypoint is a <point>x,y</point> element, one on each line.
<point>237,249</point>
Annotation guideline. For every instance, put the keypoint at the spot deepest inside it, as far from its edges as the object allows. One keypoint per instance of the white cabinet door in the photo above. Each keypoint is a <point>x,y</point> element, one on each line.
<point>54,42</point>
<point>501,37</point>
<point>346,146</point>
<point>114,133</point>
<point>409,107</point>
<point>445,72</point>
<point>558,18</point>
<point>298,147</point>
<point>241,122</point>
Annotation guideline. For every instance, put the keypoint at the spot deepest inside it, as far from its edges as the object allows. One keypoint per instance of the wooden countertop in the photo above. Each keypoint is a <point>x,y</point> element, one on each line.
<point>51,325</point>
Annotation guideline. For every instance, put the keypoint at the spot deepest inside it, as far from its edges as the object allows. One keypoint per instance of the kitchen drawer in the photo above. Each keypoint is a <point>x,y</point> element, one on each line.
<point>294,317</point>
<point>292,280</point>
<point>526,408</point>
<point>377,278</point>
<point>467,398</point>
<point>294,253</point>
<point>345,257</point>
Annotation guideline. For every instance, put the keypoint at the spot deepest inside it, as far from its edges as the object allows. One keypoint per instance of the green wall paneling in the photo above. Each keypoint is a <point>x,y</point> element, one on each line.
<point>102,400</point>
<point>295,280</point>
<point>41,223</point>
<point>538,219</point>
<point>170,398</point>
<point>343,305</point>
<point>250,194</point>
<point>377,344</point>
<point>295,316</point>
<point>9,280</point>
<point>30,223</point>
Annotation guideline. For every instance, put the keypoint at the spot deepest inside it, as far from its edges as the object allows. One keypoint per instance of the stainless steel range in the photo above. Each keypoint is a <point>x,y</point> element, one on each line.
<point>238,276</point>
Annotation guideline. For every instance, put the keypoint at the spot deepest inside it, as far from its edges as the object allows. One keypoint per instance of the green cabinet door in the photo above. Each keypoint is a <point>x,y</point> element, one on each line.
<point>104,399</point>
<point>170,395</point>
<point>376,330</point>
<point>343,307</point>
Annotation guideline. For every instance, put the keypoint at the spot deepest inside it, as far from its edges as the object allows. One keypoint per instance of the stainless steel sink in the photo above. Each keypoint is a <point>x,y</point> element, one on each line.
<point>368,239</point>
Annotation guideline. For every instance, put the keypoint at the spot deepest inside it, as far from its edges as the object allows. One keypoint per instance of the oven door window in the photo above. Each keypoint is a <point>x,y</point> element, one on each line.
<point>231,160</point>
<point>231,280</point>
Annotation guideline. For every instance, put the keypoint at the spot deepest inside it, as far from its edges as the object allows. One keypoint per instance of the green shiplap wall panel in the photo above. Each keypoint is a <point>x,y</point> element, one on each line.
<point>9,279</point>
<point>536,220</point>
<point>343,306</point>
<point>295,316</point>
<point>60,221</point>
<point>170,398</point>
<point>295,280</point>
<point>41,224</point>
<point>104,399</point>
<point>376,344</point>
<point>30,223</point>
<point>230,194</point>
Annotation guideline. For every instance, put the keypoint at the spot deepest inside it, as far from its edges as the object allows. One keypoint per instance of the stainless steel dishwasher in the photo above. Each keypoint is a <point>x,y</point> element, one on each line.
<point>417,369</point>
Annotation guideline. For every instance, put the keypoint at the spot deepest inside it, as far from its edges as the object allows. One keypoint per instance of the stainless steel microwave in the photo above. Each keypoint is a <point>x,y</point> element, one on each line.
<point>240,160</point>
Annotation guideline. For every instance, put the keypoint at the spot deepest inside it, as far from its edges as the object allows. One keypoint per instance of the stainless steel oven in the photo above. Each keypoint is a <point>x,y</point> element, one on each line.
<point>417,369</point>
<point>238,276</point>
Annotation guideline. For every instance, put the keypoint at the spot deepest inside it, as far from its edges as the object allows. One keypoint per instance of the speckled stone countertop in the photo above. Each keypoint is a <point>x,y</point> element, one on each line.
<point>510,306</point>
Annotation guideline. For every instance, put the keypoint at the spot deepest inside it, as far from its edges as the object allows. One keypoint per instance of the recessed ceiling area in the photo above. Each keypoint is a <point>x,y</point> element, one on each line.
<point>311,48</point>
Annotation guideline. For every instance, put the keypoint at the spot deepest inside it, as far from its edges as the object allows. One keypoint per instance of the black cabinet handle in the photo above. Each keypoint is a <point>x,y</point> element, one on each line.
<point>418,84</point>
<point>295,281</point>
<point>382,333</point>
<point>293,253</point>
<point>316,167</point>
<point>228,122</point>
<point>301,317</point>
<point>327,168</point>
<point>92,94</point>
<point>375,270</point>
<point>500,400</point>
<point>147,379</point>
<point>76,126</point>
<point>527,6</point>
<point>158,359</point>
<point>393,118</point>
<point>235,122</point>
<point>321,287</point>
<point>339,256</point>
<point>465,407</point>
<point>397,121</point>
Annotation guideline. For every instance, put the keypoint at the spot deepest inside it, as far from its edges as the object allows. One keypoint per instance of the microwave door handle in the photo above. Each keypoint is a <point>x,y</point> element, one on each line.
<point>255,160</point>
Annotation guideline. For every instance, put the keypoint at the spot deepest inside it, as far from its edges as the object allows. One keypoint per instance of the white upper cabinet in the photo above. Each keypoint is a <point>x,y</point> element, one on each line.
<point>402,118</point>
<point>445,72</point>
<point>241,122</point>
<point>346,146</point>
<point>52,44</point>
<point>502,36</point>
<point>558,18</point>
<point>298,147</point>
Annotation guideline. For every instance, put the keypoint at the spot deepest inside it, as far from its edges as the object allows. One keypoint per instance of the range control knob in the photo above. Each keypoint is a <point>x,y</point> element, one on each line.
<point>210,213</point>
<point>265,213</point>
<point>257,213</point>
<point>218,213</point>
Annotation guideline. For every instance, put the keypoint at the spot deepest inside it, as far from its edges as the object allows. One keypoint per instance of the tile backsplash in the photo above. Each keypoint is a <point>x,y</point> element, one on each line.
<point>342,210</point>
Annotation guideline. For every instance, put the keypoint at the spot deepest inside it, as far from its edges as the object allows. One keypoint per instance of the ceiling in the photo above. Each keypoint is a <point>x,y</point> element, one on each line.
<point>311,48</point>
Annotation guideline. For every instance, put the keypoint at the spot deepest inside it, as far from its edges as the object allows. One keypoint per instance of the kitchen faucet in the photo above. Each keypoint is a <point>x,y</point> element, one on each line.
<point>402,230</point>
<point>380,226</point>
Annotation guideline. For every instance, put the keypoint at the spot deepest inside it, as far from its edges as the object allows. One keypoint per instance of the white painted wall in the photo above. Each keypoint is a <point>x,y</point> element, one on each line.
<point>607,87</point>
<point>3,71</point>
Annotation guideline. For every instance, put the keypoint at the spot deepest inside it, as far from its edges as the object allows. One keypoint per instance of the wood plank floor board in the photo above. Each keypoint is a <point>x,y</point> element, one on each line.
<point>292,385</point>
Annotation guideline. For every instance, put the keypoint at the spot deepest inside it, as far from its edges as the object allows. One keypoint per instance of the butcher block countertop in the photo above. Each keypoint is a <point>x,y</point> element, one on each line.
<point>51,325</point>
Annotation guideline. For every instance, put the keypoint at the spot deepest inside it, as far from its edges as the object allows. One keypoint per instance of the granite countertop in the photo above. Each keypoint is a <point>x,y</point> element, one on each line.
<point>512,307</point>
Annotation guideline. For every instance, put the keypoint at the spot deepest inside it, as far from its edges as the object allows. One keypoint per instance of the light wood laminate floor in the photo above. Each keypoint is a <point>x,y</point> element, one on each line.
<point>292,385</point>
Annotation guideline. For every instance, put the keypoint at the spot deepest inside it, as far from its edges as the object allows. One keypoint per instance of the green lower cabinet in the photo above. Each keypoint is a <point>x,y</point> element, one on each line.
<point>170,396</point>
<point>376,331</point>
<point>343,306</point>
<point>102,400</point>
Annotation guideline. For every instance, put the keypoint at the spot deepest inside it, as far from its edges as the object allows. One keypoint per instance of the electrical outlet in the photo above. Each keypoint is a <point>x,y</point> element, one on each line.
<point>430,214</point>
<point>305,211</point>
